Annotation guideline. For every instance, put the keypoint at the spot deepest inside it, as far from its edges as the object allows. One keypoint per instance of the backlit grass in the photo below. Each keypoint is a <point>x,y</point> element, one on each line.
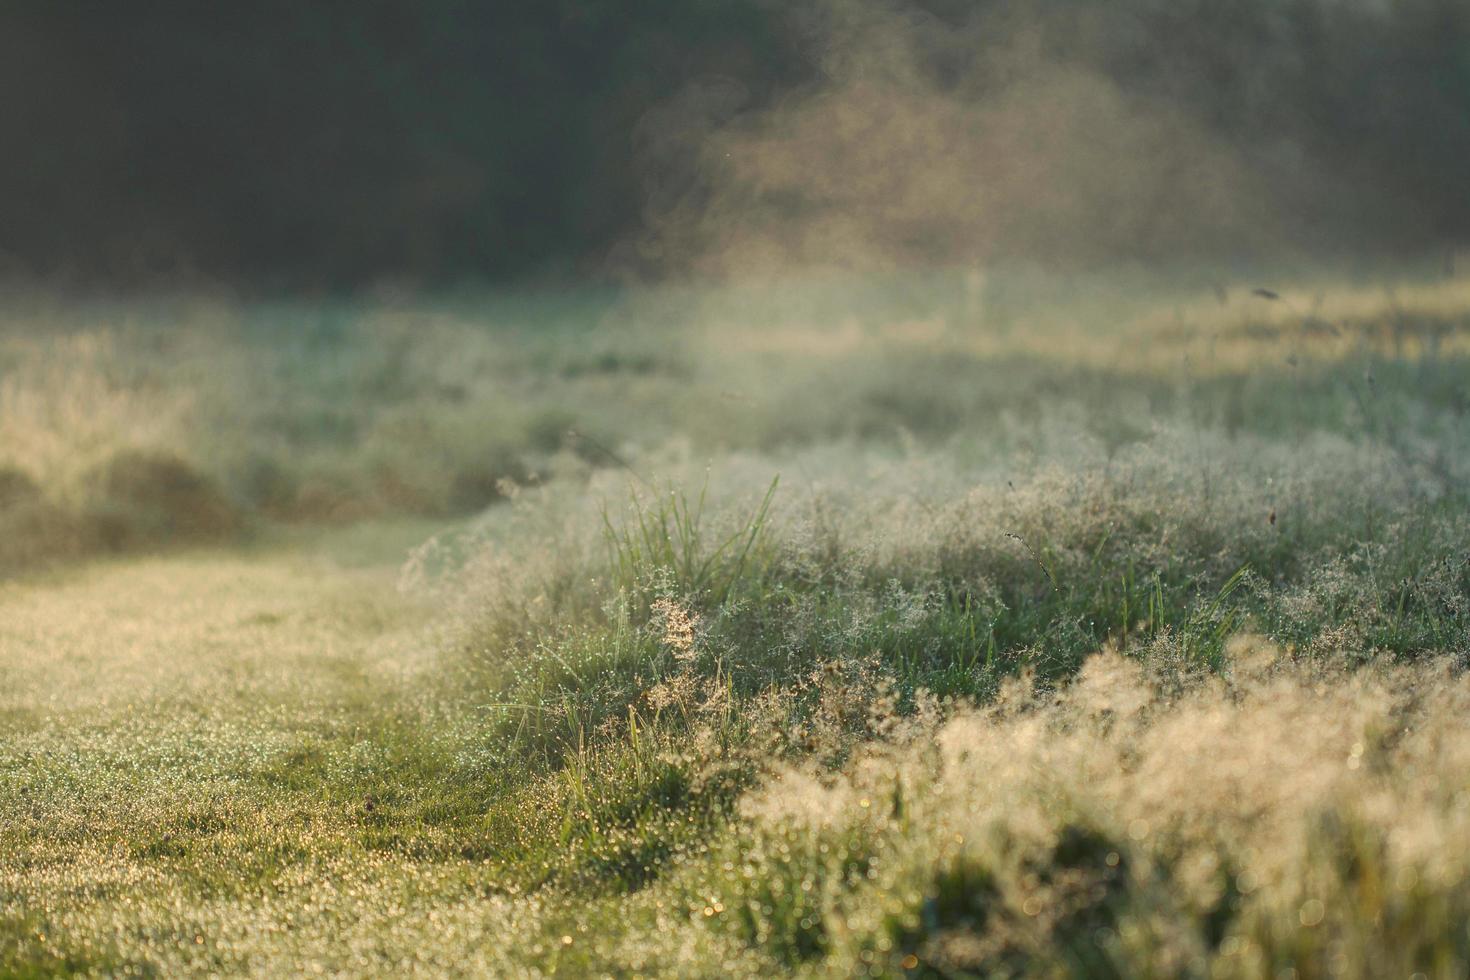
<point>939,638</point>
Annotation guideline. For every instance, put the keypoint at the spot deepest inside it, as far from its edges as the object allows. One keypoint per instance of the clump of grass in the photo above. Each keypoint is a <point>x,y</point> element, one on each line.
<point>668,542</point>
<point>1070,837</point>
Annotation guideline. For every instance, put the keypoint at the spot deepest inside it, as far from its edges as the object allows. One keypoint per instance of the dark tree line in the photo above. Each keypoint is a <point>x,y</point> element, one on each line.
<point>286,144</point>
<point>334,142</point>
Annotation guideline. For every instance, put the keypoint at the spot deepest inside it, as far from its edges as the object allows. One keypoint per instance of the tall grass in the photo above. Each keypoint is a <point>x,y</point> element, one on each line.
<point>668,542</point>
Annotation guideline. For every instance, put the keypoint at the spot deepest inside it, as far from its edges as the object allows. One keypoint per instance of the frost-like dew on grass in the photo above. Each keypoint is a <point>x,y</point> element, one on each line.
<point>1078,648</point>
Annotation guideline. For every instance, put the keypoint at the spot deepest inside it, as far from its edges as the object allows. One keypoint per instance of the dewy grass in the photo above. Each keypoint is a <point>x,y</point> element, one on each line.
<point>669,538</point>
<point>1038,660</point>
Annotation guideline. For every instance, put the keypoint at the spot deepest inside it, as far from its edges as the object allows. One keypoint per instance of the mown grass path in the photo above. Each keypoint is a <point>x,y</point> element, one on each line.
<point>283,618</point>
<point>190,749</point>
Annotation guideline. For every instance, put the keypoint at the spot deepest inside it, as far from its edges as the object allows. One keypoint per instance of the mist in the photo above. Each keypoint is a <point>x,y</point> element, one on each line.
<point>1064,134</point>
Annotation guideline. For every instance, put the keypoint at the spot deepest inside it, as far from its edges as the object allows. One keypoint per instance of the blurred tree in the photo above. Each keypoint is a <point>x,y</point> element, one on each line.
<point>331,143</point>
<point>285,144</point>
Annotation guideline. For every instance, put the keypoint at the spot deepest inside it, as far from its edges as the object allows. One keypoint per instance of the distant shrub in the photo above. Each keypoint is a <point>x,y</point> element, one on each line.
<point>32,531</point>
<point>16,488</point>
<point>154,497</point>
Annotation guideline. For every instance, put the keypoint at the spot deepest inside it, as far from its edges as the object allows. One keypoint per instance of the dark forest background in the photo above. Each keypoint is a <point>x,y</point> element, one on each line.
<point>287,144</point>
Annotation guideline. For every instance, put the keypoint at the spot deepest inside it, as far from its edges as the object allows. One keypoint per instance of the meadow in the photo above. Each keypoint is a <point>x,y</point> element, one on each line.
<point>959,624</point>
